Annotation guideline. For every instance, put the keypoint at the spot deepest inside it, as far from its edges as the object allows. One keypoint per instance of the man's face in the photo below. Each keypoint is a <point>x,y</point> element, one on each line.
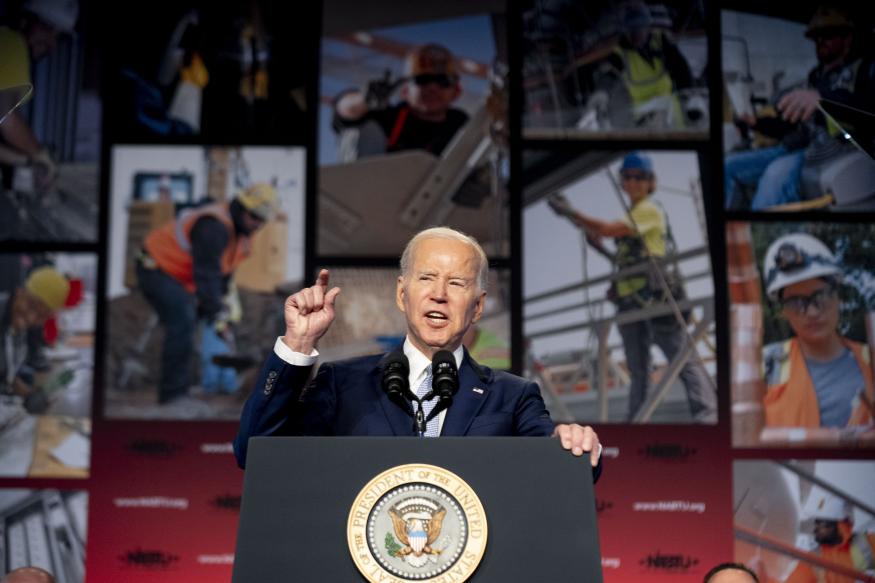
<point>41,39</point>
<point>731,576</point>
<point>439,295</point>
<point>826,532</point>
<point>28,310</point>
<point>636,183</point>
<point>251,222</point>
<point>638,36</point>
<point>812,309</point>
<point>431,94</point>
<point>832,44</point>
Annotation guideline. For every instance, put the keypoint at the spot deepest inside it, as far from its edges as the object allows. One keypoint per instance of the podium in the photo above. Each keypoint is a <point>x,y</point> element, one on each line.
<point>540,518</point>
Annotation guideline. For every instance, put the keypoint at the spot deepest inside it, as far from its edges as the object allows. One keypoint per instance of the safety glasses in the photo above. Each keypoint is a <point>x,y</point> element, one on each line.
<point>799,304</point>
<point>633,175</point>
<point>440,80</point>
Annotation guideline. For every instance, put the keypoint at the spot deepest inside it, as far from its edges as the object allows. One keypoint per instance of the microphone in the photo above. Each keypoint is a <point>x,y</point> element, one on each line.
<point>445,381</point>
<point>395,380</point>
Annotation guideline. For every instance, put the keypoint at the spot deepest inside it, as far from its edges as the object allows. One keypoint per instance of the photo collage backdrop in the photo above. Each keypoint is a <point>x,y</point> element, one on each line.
<point>675,197</point>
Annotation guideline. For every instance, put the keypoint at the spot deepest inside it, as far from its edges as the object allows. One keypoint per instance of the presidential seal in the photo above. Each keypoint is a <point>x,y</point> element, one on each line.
<point>417,522</point>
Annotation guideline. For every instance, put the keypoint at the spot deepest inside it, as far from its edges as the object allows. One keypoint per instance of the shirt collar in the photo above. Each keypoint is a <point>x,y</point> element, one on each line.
<point>419,362</point>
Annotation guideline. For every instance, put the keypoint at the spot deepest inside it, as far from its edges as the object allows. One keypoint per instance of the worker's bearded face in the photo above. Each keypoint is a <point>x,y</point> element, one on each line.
<point>826,532</point>
<point>832,46</point>
<point>440,296</point>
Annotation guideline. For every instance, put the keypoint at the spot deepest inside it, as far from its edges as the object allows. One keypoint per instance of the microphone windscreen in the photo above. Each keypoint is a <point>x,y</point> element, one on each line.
<point>396,371</point>
<point>445,375</point>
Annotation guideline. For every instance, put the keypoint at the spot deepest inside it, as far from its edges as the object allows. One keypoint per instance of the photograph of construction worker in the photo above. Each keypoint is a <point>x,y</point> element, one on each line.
<point>783,150</point>
<point>226,72</point>
<point>205,237</point>
<point>616,263</point>
<point>613,69</point>
<point>48,162</point>
<point>412,129</point>
<point>805,521</point>
<point>819,375</point>
<point>375,327</point>
<point>47,313</point>
<point>43,547</point>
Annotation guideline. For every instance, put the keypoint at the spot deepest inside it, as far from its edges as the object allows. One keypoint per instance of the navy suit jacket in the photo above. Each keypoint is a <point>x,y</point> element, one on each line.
<point>346,398</point>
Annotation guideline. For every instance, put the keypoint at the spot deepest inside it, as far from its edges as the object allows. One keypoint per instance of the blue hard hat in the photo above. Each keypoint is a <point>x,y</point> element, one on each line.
<point>637,161</point>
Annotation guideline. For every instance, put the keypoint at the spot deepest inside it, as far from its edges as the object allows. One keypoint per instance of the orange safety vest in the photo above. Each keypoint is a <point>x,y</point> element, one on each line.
<point>791,400</point>
<point>170,244</point>
<point>855,552</point>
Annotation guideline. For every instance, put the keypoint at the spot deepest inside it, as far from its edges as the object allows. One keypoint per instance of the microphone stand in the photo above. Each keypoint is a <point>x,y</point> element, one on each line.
<point>419,421</point>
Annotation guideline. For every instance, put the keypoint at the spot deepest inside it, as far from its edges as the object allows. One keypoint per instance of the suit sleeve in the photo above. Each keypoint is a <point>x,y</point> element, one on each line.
<point>274,406</point>
<point>532,418</point>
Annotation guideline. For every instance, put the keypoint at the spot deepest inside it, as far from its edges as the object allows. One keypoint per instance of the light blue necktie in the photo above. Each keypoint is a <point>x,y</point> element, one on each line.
<point>432,428</point>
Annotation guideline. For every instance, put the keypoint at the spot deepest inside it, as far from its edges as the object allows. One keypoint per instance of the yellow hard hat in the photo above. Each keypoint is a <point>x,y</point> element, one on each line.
<point>431,59</point>
<point>827,16</point>
<point>49,285</point>
<point>259,199</point>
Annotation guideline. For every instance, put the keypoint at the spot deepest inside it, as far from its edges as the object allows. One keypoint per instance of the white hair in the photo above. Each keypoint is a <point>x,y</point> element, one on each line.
<point>453,235</point>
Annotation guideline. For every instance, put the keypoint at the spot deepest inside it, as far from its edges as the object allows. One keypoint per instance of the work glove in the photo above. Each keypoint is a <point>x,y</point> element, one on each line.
<point>380,90</point>
<point>560,205</point>
<point>215,378</point>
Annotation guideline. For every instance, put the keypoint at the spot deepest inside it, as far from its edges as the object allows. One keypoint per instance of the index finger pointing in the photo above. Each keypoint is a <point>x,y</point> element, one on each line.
<point>322,279</point>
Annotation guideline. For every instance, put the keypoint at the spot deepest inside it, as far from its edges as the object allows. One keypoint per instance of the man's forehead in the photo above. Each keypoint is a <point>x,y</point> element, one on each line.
<point>434,249</point>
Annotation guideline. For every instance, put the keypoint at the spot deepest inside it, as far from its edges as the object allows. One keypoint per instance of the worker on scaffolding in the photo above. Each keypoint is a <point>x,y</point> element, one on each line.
<point>830,520</point>
<point>185,271</point>
<point>34,37</point>
<point>640,237</point>
<point>817,378</point>
<point>25,307</point>
<point>650,66</point>
<point>843,74</point>
<point>425,118</point>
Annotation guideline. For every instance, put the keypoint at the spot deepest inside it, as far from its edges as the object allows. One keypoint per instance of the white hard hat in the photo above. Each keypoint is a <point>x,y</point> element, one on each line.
<point>61,14</point>
<point>794,258</point>
<point>822,505</point>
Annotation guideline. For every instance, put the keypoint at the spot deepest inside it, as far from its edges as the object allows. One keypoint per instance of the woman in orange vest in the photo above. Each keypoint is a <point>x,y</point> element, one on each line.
<point>818,378</point>
<point>184,272</point>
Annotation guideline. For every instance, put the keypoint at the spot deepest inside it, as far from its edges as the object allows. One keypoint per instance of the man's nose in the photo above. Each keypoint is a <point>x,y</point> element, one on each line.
<point>439,290</point>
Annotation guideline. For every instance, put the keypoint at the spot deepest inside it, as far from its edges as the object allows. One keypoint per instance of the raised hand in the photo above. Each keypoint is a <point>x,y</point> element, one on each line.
<point>308,314</point>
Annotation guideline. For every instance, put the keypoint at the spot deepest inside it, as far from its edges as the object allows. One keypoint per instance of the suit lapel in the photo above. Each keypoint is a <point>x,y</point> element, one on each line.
<point>400,421</point>
<point>474,386</point>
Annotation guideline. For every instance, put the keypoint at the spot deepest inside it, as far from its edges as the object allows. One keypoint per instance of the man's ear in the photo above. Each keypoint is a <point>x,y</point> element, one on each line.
<point>481,303</point>
<point>399,293</point>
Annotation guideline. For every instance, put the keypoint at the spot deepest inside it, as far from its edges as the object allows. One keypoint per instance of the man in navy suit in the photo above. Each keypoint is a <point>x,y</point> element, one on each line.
<point>441,291</point>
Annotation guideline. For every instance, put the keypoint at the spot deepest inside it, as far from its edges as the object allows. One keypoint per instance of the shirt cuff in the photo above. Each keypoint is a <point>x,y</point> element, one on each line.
<point>294,358</point>
<point>600,451</point>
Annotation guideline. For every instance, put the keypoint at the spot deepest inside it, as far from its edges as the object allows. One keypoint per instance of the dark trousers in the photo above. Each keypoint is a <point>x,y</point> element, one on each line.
<point>178,315</point>
<point>671,338</point>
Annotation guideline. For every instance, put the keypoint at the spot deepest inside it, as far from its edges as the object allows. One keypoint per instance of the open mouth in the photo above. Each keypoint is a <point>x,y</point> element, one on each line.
<point>435,317</point>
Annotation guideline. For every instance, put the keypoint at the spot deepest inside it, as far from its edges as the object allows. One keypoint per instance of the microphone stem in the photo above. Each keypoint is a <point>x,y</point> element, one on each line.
<point>420,421</point>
